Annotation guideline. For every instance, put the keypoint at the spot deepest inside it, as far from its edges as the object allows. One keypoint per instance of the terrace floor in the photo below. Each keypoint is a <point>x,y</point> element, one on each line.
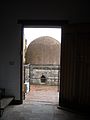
<point>43,93</point>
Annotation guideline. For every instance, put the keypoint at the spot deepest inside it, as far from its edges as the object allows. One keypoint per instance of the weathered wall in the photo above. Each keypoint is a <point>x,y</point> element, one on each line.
<point>43,50</point>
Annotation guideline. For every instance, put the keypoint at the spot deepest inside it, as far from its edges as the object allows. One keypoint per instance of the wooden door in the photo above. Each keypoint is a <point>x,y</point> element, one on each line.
<point>75,66</point>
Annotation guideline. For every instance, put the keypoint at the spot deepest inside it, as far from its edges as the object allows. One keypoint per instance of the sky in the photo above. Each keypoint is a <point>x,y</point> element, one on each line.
<point>32,33</point>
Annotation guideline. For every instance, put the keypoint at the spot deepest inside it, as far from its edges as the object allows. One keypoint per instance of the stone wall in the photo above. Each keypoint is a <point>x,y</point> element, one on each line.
<point>50,72</point>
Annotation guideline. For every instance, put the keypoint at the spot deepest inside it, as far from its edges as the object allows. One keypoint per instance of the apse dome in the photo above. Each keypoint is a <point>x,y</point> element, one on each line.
<point>43,50</point>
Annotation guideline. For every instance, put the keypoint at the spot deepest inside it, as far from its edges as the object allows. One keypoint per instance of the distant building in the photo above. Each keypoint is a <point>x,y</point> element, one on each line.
<point>43,56</point>
<point>43,50</point>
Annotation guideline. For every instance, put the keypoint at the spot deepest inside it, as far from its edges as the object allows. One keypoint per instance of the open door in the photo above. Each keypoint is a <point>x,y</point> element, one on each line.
<point>75,66</point>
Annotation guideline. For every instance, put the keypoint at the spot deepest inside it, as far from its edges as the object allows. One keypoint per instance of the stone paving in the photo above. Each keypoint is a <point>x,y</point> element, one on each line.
<point>43,93</point>
<point>39,111</point>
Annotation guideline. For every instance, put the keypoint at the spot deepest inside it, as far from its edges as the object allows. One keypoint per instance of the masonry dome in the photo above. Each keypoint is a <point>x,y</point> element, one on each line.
<point>43,50</point>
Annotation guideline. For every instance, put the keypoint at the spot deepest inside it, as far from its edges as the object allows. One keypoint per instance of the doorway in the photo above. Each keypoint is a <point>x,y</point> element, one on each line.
<point>39,25</point>
<point>42,63</point>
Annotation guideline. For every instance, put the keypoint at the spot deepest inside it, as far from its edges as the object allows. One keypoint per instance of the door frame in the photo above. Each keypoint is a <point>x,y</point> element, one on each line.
<point>36,24</point>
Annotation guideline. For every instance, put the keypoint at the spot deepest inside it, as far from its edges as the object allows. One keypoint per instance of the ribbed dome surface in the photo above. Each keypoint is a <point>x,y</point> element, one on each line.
<point>43,50</point>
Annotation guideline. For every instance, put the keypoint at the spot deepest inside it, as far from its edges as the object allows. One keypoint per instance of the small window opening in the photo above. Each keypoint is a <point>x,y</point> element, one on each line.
<point>43,79</point>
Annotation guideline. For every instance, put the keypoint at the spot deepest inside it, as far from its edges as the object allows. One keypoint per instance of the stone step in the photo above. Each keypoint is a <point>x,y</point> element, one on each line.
<point>4,102</point>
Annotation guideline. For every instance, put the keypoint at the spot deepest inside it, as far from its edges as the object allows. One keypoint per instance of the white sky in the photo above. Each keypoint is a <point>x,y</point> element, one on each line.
<point>33,33</point>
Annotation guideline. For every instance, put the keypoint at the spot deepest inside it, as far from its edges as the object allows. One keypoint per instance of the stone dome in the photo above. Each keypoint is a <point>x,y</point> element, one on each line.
<point>43,50</point>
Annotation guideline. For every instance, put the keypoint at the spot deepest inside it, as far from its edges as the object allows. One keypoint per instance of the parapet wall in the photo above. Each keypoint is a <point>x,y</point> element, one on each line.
<point>43,74</point>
